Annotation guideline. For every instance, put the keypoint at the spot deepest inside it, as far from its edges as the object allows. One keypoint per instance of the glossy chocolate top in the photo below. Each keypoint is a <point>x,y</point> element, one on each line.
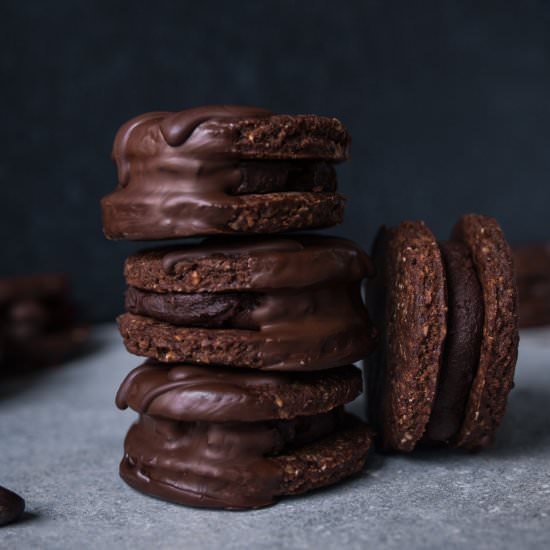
<point>216,394</point>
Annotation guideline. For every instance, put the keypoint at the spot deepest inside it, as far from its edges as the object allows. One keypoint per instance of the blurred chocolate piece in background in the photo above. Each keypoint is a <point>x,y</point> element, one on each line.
<point>12,506</point>
<point>38,323</point>
<point>533,275</point>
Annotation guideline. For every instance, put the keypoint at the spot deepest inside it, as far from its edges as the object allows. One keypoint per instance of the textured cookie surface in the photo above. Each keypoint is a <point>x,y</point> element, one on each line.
<point>191,393</point>
<point>224,169</point>
<point>239,466</point>
<point>334,343</point>
<point>493,260</point>
<point>255,264</point>
<point>404,387</point>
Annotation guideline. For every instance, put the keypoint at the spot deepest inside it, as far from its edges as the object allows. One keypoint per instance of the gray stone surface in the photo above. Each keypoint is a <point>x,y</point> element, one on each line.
<point>61,440</point>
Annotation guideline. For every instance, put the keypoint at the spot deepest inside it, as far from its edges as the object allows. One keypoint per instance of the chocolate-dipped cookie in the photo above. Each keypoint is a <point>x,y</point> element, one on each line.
<point>533,273</point>
<point>224,169</point>
<point>218,394</point>
<point>264,303</point>
<point>229,438</point>
<point>449,316</point>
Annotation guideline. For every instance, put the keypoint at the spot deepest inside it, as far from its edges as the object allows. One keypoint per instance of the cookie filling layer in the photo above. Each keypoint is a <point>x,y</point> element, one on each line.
<point>462,345</point>
<point>191,393</point>
<point>253,311</point>
<point>211,310</point>
<point>181,174</point>
<point>227,465</point>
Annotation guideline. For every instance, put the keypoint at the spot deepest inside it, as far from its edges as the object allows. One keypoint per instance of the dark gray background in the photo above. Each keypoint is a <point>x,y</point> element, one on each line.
<point>448,104</point>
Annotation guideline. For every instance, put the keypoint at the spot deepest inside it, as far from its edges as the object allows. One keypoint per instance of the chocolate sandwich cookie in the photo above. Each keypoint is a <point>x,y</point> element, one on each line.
<point>448,312</point>
<point>224,169</point>
<point>217,394</point>
<point>264,303</point>
<point>37,322</point>
<point>229,438</point>
<point>533,274</point>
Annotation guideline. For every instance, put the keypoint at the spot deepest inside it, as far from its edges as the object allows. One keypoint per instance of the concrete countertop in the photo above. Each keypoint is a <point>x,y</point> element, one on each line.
<point>61,441</point>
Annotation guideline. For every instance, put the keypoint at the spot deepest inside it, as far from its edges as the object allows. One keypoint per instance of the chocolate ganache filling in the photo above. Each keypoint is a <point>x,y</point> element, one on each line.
<point>212,310</point>
<point>462,345</point>
<point>208,464</point>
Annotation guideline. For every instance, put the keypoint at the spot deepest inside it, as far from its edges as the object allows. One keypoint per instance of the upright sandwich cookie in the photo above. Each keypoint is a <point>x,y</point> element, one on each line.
<point>269,303</point>
<point>449,316</point>
<point>224,169</point>
<point>230,438</point>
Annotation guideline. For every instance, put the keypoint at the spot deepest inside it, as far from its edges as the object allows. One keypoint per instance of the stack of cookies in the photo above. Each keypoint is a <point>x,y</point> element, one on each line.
<point>249,334</point>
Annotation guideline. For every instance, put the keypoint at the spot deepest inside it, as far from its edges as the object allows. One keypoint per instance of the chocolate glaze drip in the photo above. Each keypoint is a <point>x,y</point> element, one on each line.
<point>121,143</point>
<point>215,465</point>
<point>213,394</point>
<point>462,345</point>
<point>178,127</point>
<point>178,173</point>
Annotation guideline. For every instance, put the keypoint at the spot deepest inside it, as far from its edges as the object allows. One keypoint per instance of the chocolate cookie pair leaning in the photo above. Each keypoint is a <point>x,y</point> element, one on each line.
<point>448,314</point>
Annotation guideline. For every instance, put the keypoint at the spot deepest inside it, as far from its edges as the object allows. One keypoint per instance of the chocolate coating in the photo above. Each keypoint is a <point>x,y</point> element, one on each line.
<point>461,354</point>
<point>223,169</point>
<point>191,393</point>
<point>241,465</point>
